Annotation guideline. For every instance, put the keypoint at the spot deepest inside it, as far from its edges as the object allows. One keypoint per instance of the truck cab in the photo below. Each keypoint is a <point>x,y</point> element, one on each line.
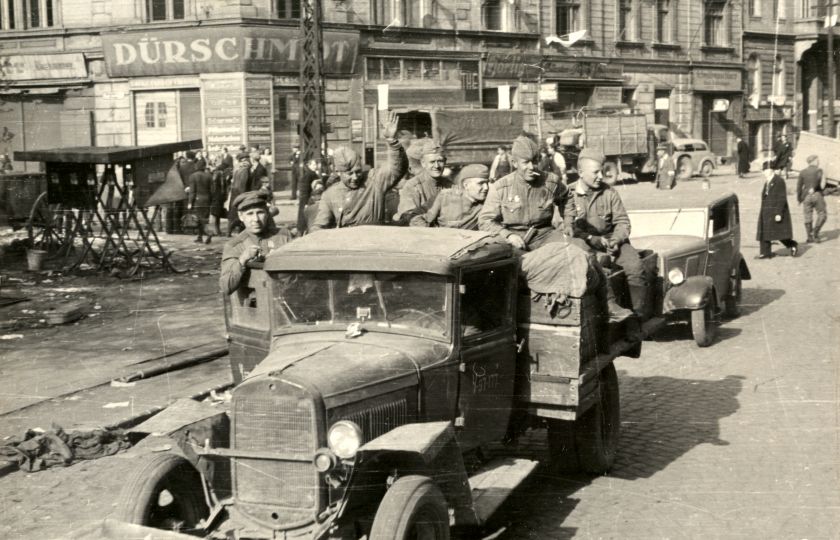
<point>370,361</point>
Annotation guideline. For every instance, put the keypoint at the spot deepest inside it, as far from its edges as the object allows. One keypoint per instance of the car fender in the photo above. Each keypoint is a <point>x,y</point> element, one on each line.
<point>742,269</point>
<point>694,293</point>
<point>428,449</point>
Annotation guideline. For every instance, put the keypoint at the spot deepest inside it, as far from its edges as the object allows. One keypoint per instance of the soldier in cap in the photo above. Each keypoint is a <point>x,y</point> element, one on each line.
<point>418,193</point>
<point>595,216</point>
<point>809,193</point>
<point>259,238</point>
<point>238,185</point>
<point>458,207</point>
<point>359,197</point>
<point>520,206</point>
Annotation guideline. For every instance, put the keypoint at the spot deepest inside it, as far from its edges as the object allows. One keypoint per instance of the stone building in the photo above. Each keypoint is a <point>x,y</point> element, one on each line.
<point>811,60</point>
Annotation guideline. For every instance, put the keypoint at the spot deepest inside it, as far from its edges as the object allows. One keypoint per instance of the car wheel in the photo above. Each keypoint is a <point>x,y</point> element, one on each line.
<point>703,326</point>
<point>611,172</point>
<point>732,300</point>
<point>165,492</point>
<point>684,168</point>
<point>706,169</point>
<point>412,508</point>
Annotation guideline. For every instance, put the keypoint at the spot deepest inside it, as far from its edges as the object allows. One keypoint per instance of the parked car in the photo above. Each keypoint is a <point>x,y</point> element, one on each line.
<point>693,157</point>
<point>700,266</point>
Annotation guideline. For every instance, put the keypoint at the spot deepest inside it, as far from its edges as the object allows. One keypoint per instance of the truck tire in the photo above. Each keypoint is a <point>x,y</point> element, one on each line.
<point>165,492</point>
<point>611,172</point>
<point>589,444</point>
<point>703,326</point>
<point>413,507</point>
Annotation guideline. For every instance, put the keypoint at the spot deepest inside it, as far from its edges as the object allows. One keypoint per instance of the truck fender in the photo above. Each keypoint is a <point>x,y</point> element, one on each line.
<point>694,293</point>
<point>742,269</point>
<point>428,449</point>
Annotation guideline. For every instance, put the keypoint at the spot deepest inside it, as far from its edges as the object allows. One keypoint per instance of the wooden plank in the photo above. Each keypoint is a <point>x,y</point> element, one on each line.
<point>492,485</point>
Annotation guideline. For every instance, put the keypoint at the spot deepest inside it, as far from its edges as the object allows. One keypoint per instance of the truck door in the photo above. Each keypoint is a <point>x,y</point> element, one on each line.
<point>722,246</point>
<point>247,317</point>
<point>488,353</point>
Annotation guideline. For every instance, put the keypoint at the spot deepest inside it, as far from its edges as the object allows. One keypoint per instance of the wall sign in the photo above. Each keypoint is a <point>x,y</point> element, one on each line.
<point>605,95</point>
<point>716,80</point>
<point>566,69</point>
<point>221,49</point>
<point>223,113</point>
<point>43,66</point>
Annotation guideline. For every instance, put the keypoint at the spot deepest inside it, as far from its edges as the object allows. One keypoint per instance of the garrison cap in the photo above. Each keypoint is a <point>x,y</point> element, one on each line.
<point>812,158</point>
<point>427,146</point>
<point>346,160</point>
<point>251,198</point>
<point>243,155</point>
<point>524,148</point>
<point>594,155</point>
<point>476,170</point>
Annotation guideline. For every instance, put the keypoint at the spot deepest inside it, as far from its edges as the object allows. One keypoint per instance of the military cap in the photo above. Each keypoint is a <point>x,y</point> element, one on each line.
<point>476,170</point>
<point>812,158</point>
<point>594,155</point>
<point>346,160</point>
<point>251,198</point>
<point>242,155</point>
<point>428,146</point>
<point>524,148</point>
<point>414,148</point>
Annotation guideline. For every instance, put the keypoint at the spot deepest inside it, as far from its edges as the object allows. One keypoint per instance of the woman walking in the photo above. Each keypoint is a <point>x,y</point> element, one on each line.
<point>774,221</point>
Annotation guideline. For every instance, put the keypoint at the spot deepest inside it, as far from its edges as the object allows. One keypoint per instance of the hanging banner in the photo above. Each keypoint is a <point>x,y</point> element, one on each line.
<point>221,49</point>
<point>382,97</point>
<point>504,97</point>
<point>43,66</point>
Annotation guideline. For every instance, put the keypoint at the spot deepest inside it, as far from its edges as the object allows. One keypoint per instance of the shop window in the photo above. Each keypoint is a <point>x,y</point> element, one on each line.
<point>165,10</point>
<point>715,24</point>
<point>495,15</point>
<point>450,71</point>
<point>665,25</point>
<point>155,114</point>
<point>566,17</point>
<point>288,9</point>
<point>662,107</point>
<point>628,21</point>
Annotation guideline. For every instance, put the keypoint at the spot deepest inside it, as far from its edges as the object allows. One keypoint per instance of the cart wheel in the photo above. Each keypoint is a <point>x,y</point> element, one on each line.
<point>611,172</point>
<point>40,226</point>
<point>165,492</point>
<point>703,326</point>
<point>412,508</point>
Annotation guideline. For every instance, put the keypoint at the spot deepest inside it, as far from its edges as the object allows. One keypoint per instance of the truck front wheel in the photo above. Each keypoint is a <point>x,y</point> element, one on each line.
<point>413,508</point>
<point>589,444</point>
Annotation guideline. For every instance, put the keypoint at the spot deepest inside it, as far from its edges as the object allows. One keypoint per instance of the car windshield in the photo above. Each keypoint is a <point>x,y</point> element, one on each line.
<point>412,303</point>
<point>674,222</point>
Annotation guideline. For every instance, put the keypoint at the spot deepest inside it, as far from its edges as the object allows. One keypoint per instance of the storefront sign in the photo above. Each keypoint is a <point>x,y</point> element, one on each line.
<point>565,69</point>
<point>768,114</point>
<point>223,113</point>
<point>548,91</point>
<point>605,95</point>
<point>43,66</point>
<point>221,49</point>
<point>716,80</point>
<point>510,66</point>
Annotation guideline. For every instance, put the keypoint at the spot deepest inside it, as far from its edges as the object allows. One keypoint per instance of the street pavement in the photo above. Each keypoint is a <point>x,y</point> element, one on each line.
<point>737,440</point>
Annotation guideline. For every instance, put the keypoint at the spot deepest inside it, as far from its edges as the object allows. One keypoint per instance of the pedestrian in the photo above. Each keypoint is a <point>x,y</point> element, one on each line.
<point>259,237</point>
<point>358,198</point>
<point>238,185</point>
<point>227,160</point>
<point>557,162</point>
<point>594,215</point>
<point>784,155</point>
<point>743,151</point>
<point>200,199</point>
<point>520,206</point>
<point>666,170</point>
<point>175,211</point>
<point>501,164</point>
<point>199,160</point>
<point>809,193</point>
<point>220,189</point>
<point>294,163</point>
<point>309,177</point>
<point>458,207</point>
<point>774,221</point>
<point>258,172</point>
<point>419,192</point>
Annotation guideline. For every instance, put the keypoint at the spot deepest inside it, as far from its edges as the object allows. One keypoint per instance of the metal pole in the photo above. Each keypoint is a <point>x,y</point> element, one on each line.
<point>832,84</point>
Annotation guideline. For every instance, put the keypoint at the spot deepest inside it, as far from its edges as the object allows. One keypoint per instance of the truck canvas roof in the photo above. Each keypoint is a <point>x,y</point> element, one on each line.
<point>388,249</point>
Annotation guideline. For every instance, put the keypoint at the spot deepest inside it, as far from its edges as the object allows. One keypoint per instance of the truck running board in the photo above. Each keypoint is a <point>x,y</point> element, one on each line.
<point>495,482</point>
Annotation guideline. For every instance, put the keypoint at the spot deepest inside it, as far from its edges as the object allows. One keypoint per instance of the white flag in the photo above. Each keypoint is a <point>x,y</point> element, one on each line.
<point>566,40</point>
<point>830,20</point>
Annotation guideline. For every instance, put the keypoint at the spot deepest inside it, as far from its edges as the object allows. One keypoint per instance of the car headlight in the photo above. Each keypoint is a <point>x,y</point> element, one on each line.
<point>344,438</point>
<point>675,276</point>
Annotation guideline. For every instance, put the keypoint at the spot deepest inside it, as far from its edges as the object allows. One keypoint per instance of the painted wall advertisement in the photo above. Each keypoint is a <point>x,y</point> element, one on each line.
<point>223,113</point>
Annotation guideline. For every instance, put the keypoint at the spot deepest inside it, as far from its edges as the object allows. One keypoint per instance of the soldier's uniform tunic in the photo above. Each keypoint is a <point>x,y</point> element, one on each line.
<point>452,208</point>
<point>233,272</point>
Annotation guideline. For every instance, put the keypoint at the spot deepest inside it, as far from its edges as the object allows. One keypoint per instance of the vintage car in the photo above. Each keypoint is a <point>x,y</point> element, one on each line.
<point>699,262</point>
<point>693,157</point>
<point>373,365</point>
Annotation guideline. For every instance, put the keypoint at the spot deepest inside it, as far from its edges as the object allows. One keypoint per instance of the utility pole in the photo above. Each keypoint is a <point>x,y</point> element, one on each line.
<point>832,84</point>
<point>312,128</point>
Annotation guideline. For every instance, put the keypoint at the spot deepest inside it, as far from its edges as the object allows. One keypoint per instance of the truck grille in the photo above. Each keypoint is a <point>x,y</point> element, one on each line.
<point>381,419</point>
<point>270,416</point>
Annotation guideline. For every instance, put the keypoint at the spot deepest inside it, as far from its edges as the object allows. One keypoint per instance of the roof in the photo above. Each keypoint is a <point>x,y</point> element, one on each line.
<point>106,154</point>
<point>383,248</point>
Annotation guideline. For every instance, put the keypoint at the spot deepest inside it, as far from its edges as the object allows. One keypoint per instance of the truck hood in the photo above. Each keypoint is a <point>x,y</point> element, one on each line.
<point>669,245</point>
<point>335,365</point>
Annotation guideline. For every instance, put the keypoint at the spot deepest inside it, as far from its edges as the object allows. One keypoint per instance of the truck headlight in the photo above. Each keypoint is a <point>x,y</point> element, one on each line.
<point>344,438</point>
<point>324,460</point>
<point>675,276</point>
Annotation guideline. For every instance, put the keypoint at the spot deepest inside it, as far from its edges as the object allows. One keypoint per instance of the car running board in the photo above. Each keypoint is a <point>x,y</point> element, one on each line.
<point>495,482</point>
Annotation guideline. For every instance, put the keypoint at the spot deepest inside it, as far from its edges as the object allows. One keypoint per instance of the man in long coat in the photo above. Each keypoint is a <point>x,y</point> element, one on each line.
<point>200,199</point>
<point>774,221</point>
<point>743,163</point>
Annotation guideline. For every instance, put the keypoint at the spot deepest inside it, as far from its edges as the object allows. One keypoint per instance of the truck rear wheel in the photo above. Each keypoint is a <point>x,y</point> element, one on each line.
<point>413,508</point>
<point>589,444</point>
<point>165,492</point>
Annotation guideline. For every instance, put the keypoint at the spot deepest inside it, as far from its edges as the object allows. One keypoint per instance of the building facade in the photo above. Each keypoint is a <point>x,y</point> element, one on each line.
<point>811,62</point>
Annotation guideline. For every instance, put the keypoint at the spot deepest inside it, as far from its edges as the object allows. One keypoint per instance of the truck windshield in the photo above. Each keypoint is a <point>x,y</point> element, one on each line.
<point>411,303</point>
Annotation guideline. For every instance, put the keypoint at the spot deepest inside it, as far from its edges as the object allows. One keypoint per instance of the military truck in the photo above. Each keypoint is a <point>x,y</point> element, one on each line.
<point>372,366</point>
<point>619,132</point>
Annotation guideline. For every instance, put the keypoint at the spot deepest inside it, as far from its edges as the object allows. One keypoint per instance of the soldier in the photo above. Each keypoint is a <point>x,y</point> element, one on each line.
<point>520,206</point>
<point>239,184</point>
<point>809,193</point>
<point>665,169</point>
<point>595,216</point>
<point>458,207</point>
<point>359,197</point>
<point>418,193</point>
<point>259,238</point>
